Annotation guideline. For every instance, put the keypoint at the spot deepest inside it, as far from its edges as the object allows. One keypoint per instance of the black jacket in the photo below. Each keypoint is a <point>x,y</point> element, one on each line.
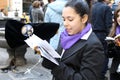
<point>83,61</point>
<point>101,17</point>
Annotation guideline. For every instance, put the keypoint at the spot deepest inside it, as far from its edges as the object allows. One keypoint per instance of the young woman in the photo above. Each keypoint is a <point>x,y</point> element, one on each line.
<point>81,52</point>
<point>115,30</point>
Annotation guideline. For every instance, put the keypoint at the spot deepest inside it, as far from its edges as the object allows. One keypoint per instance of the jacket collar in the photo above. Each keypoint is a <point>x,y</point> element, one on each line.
<point>69,52</point>
<point>85,37</point>
<point>79,45</point>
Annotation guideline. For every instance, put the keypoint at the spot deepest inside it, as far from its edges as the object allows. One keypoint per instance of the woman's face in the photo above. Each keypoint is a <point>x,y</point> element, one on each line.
<point>118,18</point>
<point>72,21</point>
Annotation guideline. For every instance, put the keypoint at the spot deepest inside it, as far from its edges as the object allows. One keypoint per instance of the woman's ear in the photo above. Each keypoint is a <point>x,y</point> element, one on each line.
<point>84,18</point>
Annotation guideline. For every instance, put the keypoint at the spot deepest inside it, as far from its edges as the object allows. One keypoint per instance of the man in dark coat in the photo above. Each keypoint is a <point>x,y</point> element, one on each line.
<point>102,21</point>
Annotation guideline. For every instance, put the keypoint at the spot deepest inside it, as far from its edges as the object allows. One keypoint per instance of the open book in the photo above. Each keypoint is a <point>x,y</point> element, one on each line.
<point>46,50</point>
<point>112,38</point>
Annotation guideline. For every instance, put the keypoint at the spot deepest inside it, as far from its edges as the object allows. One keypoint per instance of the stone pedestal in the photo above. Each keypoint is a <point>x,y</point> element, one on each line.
<point>3,43</point>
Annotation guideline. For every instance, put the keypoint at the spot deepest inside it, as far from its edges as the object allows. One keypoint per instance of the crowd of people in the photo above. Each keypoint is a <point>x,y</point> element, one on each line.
<point>80,39</point>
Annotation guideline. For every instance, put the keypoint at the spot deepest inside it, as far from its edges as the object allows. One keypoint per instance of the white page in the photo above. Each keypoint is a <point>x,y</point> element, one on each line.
<point>48,56</point>
<point>50,49</point>
<point>33,41</point>
<point>118,70</point>
<point>112,38</point>
<point>45,48</point>
<point>109,38</point>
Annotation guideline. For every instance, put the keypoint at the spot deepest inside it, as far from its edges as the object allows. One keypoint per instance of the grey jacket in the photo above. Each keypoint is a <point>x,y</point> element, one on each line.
<point>37,15</point>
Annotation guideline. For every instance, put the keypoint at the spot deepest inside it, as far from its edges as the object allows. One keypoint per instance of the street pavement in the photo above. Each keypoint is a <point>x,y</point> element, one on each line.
<point>37,72</point>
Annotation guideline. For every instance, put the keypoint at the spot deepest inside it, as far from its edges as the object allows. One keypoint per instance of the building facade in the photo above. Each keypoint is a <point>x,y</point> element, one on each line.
<point>19,6</point>
<point>11,6</point>
<point>4,4</point>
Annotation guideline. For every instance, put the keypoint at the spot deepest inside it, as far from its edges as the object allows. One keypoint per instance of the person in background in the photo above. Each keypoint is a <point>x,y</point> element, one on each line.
<point>90,3</point>
<point>115,30</point>
<point>114,6</point>
<point>82,55</point>
<point>4,13</point>
<point>0,13</point>
<point>45,6</point>
<point>41,5</point>
<point>101,20</point>
<point>54,14</point>
<point>110,4</point>
<point>25,18</point>
<point>37,13</point>
<point>119,4</point>
<point>30,12</point>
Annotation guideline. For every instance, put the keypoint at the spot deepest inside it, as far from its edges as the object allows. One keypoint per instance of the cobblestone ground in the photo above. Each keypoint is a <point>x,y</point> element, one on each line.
<point>37,72</point>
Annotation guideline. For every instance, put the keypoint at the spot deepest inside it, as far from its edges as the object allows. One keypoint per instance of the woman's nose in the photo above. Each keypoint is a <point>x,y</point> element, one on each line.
<point>65,23</point>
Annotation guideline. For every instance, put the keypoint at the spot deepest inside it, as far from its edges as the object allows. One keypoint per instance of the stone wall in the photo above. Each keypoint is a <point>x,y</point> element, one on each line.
<point>4,4</point>
<point>3,43</point>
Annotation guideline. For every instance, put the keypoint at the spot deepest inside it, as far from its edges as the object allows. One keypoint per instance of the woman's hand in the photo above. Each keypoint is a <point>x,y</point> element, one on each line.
<point>117,41</point>
<point>37,50</point>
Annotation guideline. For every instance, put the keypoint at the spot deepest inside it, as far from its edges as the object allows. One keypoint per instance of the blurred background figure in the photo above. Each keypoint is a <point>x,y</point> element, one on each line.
<point>54,14</point>
<point>25,18</point>
<point>119,4</point>
<point>101,19</point>
<point>16,13</point>
<point>45,6</point>
<point>4,13</point>
<point>41,5</point>
<point>30,12</point>
<point>110,4</point>
<point>37,13</point>
<point>0,13</point>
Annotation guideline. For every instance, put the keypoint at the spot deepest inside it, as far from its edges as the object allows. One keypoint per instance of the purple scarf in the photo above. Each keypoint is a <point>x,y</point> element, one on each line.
<point>118,30</point>
<point>67,41</point>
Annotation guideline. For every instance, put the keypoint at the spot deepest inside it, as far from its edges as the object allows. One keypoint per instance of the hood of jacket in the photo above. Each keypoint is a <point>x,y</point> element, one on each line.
<point>57,5</point>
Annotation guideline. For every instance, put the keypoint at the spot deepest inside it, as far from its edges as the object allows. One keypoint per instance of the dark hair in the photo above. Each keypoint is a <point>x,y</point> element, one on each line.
<point>89,2</point>
<point>49,1</point>
<point>81,7</point>
<point>100,0</point>
<point>36,4</point>
<point>116,15</point>
<point>115,24</point>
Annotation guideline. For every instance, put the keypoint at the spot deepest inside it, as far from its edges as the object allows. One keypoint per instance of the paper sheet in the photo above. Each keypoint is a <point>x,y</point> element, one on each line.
<point>109,38</point>
<point>45,48</point>
<point>113,38</point>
